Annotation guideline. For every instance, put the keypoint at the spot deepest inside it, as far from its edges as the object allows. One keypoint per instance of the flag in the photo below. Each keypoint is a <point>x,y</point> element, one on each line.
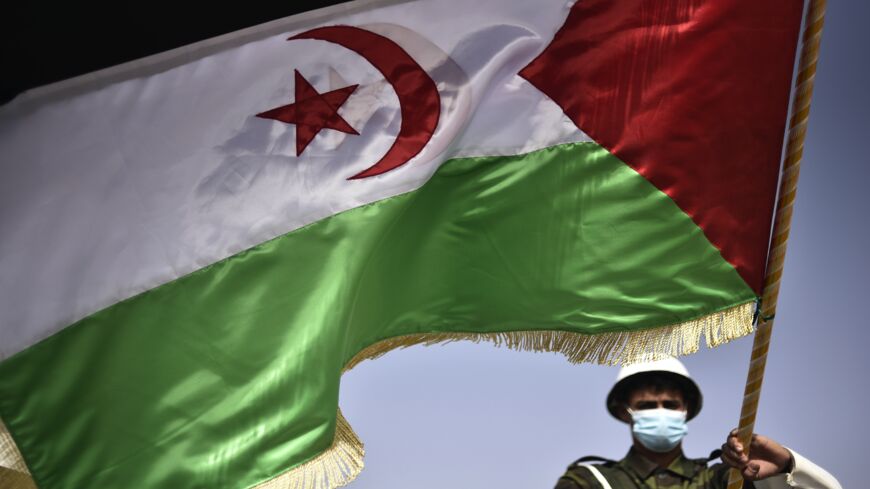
<point>196,245</point>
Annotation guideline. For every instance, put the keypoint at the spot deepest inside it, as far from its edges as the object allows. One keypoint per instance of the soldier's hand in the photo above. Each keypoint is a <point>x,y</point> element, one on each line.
<point>766,457</point>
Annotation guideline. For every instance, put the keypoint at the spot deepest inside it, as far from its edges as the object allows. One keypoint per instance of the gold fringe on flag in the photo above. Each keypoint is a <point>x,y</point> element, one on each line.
<point>13,470</point>
<point>617,348</point>
<point>343,460</point>
<point>335,467</point>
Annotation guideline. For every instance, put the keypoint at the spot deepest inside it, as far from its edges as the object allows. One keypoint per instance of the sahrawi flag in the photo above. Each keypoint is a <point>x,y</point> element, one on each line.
<point>196,245</point>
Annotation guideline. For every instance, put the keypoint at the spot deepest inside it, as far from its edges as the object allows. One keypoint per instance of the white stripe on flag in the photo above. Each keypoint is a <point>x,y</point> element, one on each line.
<point>128,186</point>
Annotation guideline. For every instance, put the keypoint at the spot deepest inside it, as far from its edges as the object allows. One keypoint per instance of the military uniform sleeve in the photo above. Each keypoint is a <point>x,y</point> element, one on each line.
<point>576,478</point>
<point>804,475</point>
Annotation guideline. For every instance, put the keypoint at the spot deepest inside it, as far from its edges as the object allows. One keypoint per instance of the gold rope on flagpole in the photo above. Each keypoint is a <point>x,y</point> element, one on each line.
<point>797,131</point>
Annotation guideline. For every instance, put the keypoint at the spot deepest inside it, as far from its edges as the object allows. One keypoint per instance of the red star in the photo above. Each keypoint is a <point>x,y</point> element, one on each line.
<point>312,112</point>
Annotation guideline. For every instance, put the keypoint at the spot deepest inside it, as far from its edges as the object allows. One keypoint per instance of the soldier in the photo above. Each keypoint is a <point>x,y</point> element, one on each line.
<point>657,399</point>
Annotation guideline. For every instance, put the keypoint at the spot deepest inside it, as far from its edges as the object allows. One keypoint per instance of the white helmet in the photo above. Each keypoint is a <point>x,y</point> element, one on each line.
<point>669,367</point>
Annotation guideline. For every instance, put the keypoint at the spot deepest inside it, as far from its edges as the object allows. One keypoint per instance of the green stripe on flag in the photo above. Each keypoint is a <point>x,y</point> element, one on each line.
<point>230,375</point>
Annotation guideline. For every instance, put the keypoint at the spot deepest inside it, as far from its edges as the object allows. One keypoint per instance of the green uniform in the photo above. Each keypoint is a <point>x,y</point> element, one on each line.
<point>637,472</point>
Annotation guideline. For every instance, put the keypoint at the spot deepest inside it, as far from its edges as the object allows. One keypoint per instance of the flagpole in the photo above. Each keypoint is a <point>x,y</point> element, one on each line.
<point>797,131</point>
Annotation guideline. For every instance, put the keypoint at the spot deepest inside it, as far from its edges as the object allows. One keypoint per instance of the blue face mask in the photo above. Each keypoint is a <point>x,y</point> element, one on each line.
<point>660,430</point>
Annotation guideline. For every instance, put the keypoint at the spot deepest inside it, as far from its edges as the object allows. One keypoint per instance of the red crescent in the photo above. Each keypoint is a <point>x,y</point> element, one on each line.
<point>418,96</point>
